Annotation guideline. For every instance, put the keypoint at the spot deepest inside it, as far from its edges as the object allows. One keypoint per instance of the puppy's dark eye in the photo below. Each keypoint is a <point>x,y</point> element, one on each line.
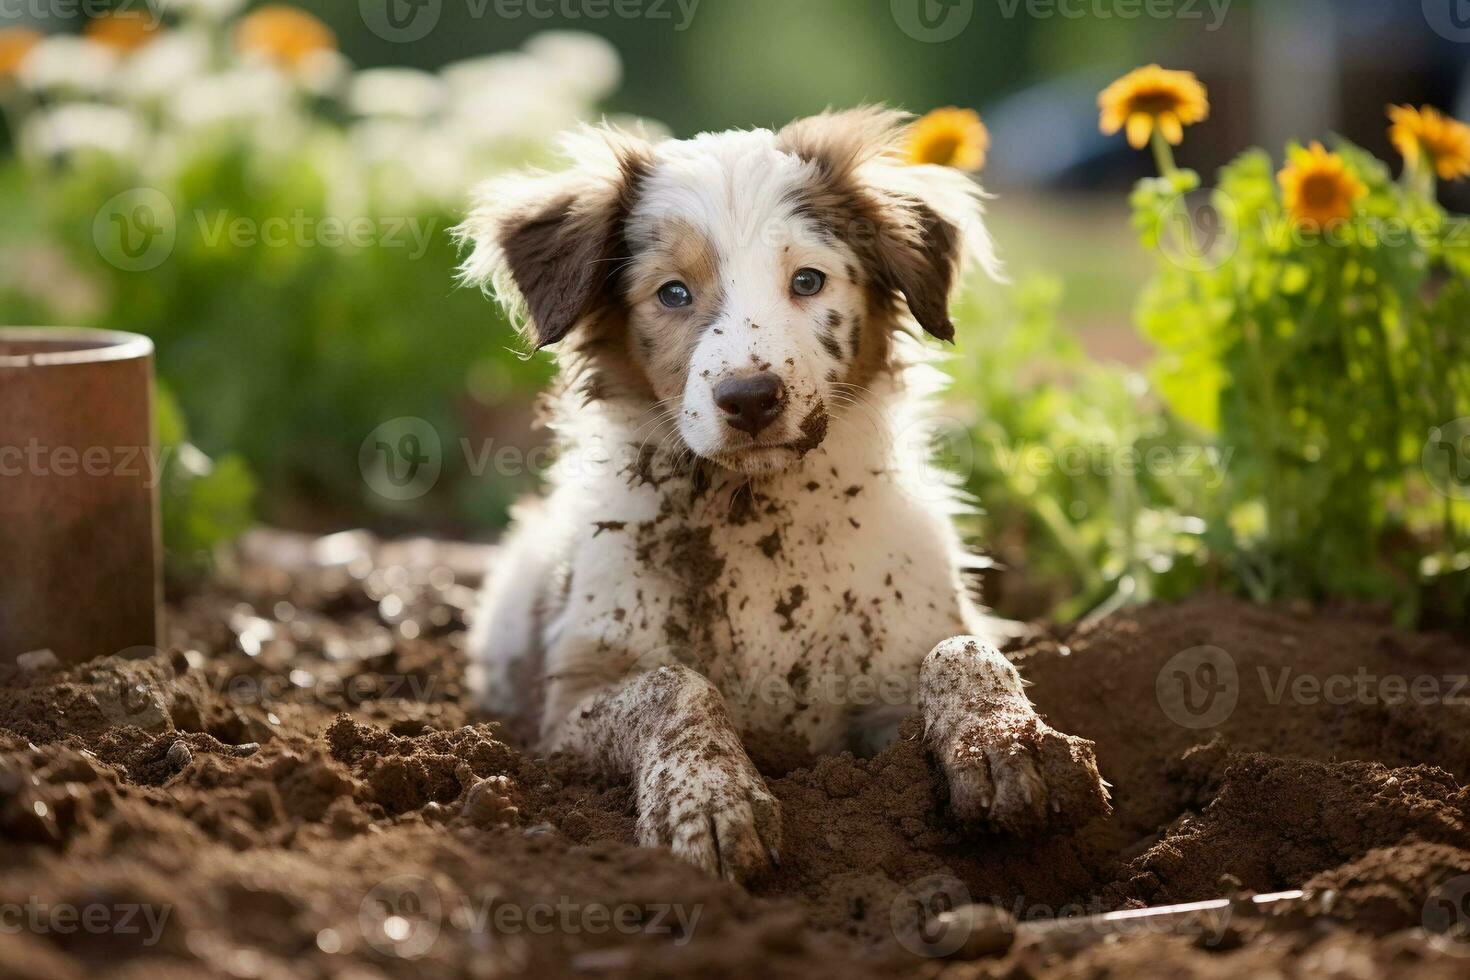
<point>808,282</point>
<point>675,295</point>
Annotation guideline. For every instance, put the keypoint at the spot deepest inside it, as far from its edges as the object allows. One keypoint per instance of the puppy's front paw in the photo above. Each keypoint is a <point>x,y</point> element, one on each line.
<point>1009,770</point>
<point>716,814</point>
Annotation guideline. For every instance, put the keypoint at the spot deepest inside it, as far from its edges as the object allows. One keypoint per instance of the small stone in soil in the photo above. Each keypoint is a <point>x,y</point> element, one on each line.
<point>179,755</point>
<point>37,660</point>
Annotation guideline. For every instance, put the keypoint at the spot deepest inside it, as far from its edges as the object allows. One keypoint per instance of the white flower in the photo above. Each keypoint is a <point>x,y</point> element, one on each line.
<point>323,72</point>
<point>166,66</point>
<point>241,94</point>
<point>585,63</point>
<point>68,63</point>
<point>491,76</point>
<point>395,92</point>
<point>382,140</point>
<point>442,171</point>
<point>211,9</point>
<point>518,114</point>
<point>508,96</point>
<point>415,162</point>
<point>84,126</point>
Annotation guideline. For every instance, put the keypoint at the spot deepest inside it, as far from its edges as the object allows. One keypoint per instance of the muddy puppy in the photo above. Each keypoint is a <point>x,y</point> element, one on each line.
<point>742,531</point>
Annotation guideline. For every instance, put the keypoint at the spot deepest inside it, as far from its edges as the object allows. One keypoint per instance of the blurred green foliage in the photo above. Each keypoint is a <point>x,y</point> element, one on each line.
<point>290,354</point>
<point>1277,446</point>
<point>1325,361</point>
<point>1089,490</point>
<point>204,502</point>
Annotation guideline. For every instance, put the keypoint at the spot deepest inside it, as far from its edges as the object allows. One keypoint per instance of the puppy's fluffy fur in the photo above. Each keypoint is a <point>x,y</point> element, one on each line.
<point>708,561</point>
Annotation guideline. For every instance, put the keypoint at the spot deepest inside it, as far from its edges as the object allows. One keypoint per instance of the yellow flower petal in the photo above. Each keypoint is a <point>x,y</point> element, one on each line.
<point>1318,188</point>
<point>1140,129</point>
<point>1171,127</point>
<point>285,35</point>
<point>124,32</point>
<point>15,44</point>
<point>1153,96</point>
<point>950,137</point>
<point>1426,132</point>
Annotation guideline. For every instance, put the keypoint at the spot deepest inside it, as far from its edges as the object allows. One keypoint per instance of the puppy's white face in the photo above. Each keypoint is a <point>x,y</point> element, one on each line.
<point>742,311</point>
<point>739,286</point>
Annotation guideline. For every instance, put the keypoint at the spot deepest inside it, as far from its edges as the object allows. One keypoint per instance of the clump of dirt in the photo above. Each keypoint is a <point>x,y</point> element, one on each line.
<point>1276,822</point>
<point>297,787</point>
<point>1391,888</point>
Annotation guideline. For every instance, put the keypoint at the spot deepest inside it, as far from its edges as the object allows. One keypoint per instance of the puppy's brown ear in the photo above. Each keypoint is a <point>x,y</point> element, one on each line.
<point>920,256</point>
<point>916,228</point>
<point>550,245</point>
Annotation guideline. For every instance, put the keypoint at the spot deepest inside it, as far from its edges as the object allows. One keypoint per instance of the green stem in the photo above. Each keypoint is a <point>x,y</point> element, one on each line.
<point>1264,423</point>
<point>1163,154</point>
<point>1429,183</point>
<point>1420,179</point>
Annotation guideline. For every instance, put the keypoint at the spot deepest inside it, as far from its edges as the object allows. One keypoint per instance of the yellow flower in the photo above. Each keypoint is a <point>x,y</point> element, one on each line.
<point>283,34</point>
<point>951,138</point>
<point>1318,187</point>
<point>122,32</point>
<point>15,44</point>
<point>1426,132</point>
<point>1152,98</point>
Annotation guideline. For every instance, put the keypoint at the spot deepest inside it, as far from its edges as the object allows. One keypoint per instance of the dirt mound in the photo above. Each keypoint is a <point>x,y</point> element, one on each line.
<point>296,788</point>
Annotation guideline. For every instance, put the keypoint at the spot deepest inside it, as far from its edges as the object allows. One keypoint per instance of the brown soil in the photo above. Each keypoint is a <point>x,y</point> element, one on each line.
<point>297,789</point>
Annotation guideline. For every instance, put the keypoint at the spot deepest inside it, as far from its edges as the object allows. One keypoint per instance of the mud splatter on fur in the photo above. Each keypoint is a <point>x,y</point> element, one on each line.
<point>740,553</point>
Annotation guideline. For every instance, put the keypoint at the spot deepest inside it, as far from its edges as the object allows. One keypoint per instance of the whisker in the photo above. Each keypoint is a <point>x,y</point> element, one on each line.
<point>864,410</point>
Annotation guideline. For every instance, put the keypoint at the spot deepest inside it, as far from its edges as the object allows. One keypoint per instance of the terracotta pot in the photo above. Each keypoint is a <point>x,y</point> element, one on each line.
<point>79,532</point>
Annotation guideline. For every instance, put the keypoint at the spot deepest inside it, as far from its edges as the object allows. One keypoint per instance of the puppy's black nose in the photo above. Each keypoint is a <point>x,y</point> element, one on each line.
<point>750,403</point>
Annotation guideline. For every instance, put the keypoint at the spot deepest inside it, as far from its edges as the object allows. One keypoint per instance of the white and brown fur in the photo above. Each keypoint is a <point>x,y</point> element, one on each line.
<point>683,581</point>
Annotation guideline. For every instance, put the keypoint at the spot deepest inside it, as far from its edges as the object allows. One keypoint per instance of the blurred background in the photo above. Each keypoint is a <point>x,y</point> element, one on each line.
<point>274,209</point>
